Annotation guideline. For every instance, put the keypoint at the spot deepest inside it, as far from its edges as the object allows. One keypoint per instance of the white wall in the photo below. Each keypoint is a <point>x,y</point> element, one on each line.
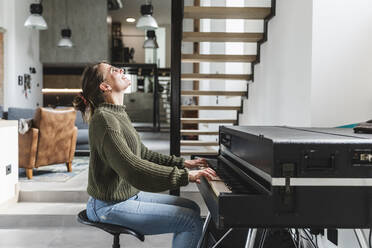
<point>280,92</point>
<point>314,71</point>
<point>8,156</point>
<point>341,62</point>
<point>314,68</point>
<point>341,83</point>
<point>21,51</point>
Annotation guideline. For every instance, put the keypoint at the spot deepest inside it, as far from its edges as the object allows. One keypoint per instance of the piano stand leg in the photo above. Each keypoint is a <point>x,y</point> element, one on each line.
<point>362,240</point>
<point>251,237</point>
<point>203,242</point>
<point>263,238</point>
<point>203,239</point>
<point>222,238</point>
<point>256,238</point>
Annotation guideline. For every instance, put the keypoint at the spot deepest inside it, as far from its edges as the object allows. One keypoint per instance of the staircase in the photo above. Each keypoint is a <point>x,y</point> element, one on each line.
<point>187,138</point>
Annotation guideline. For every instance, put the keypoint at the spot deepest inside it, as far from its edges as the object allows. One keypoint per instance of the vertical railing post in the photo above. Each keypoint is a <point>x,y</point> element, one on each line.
<point>176,37</point>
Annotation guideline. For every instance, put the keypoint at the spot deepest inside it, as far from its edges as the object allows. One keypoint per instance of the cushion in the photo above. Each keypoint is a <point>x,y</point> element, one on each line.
<point>82,136</point>
<point>24,125</point>
<point>79,122</point>
<point>82,147</point>
<point>18,113</point>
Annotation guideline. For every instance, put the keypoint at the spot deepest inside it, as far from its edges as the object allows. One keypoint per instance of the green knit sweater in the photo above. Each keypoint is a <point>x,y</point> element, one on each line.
<point>120,165</point>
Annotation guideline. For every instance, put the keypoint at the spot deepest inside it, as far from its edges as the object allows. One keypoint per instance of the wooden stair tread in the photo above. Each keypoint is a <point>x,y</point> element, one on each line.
<point>212,93</point>
<point>198,76</point>
<point>206,150</point>
<point>197,107</point>
<point>198,143</point>
<point>207,120</point>
<point>198,132</point>
<point>195,58</point>
<point>221,37</point>
<point>226,12</point>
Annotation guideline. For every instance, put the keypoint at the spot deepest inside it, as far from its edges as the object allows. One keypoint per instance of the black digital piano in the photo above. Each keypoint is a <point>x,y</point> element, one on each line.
<point>289,177</point>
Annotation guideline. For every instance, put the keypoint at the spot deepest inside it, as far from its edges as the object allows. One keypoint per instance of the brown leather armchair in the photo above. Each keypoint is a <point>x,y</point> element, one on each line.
<point>51,140</point>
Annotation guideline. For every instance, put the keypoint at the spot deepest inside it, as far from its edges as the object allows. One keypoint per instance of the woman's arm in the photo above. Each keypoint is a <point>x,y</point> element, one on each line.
<point>166,160</point>
<point>161,159</point>
<point>142,174</point>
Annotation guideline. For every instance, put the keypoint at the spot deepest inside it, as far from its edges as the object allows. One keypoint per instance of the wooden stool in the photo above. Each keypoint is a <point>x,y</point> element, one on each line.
<point>115,230</point>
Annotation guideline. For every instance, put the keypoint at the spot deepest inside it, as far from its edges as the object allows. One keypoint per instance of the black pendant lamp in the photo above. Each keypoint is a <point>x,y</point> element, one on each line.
<point>146,21</point>
<point>65,41</point>
<point>150,42</point>
<point>36,20</point>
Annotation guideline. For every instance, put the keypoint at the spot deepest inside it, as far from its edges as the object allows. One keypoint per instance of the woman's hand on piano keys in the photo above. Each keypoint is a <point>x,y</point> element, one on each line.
<point>196,163</point>
<point>195,175</point>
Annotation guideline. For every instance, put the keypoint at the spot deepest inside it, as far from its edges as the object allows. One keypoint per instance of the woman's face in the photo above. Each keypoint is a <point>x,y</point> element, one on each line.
<point>114,77</point>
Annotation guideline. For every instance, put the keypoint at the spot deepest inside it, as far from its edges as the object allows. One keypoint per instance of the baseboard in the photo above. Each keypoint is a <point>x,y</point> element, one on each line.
<point>12,200</point>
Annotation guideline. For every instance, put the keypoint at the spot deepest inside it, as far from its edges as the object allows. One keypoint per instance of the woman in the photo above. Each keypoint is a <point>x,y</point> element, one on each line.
<point>122,171</point>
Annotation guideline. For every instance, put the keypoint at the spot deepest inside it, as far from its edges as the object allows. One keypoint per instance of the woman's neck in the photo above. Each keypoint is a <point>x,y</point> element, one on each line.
<point>117,99</point>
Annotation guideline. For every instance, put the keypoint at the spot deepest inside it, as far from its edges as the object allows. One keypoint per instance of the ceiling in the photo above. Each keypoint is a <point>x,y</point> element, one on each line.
<point>131,8</point>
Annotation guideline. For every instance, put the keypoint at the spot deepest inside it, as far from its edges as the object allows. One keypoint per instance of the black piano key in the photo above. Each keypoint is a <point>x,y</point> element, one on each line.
<point>231,179</point>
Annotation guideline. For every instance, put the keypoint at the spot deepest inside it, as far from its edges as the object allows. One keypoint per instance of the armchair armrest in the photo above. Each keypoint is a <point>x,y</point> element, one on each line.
<point>73,144</point>
<point>27,147</point>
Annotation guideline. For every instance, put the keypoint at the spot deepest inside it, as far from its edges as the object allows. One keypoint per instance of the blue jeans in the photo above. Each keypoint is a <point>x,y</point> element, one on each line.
<point>151,213</point>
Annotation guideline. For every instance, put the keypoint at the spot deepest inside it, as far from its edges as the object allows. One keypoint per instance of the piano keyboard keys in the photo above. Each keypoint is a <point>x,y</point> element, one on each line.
<point>228,179</point>
<point>219,187</point>
<point>216,178</point>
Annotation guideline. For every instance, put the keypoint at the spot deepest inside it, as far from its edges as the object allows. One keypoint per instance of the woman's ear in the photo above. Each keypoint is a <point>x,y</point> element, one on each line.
<point>104,87</point>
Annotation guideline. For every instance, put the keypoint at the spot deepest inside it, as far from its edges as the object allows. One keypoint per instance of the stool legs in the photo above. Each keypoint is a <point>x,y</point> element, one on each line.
<point>116,243</point>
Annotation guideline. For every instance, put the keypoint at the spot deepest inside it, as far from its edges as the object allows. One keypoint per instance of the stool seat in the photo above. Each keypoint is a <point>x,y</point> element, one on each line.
<point>110,228</point>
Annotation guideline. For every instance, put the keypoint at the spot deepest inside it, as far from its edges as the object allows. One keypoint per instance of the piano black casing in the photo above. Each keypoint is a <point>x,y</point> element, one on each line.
<point>300,177</point>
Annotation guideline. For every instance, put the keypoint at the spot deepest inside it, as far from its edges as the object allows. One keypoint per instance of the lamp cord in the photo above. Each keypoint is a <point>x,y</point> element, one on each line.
<point>369,239</point>
<point>66,13</point>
